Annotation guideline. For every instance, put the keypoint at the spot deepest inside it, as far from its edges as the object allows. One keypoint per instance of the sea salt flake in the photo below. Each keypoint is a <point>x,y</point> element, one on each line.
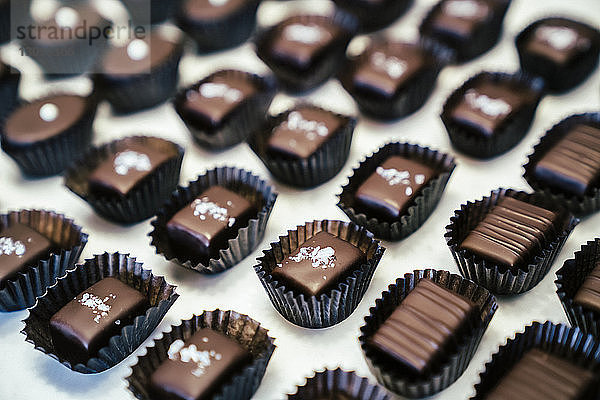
<point>319,257</point>
<point>212,90</point>
<point>306,34</point>
<point>126,161</point>
<point>10,246</point>
<point>393,66</point>
<point>97,305</point>
<point>487,105</point>
<point>310,129</point>
<point>559,37</point>
<point>463,8</point>
<point>202,359</point>
<point>204,208</point>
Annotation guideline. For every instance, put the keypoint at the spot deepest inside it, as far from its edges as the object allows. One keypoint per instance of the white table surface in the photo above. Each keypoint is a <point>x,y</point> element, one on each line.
<point>29,374</point>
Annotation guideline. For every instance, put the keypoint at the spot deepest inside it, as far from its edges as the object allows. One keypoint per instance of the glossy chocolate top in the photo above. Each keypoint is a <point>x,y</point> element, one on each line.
<point>132,162</point>
<point>86,323</point>
<point>303,132</point>
<point>299,41</point>
<point>486,105</point>
<point>20,247</point>
<point>385,68</point>
<point>588,295</point>
<point>512,233</point>
<point>541,375</point>
<point>392,188</point>
<point>560,40</point>
<point>138,56</point>
<point>201,10</point>
<point>424,327</point>
<point>460,18</point>
<point>198,367</point>
<point>44,118</point>
<point>204,226</point>
<point>318,265</point>
<point>216,98</point>
<point>572,165</point>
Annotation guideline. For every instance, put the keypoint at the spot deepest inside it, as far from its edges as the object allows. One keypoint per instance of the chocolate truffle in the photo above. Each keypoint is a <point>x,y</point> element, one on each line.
<point>513,232</point>
<point>318,265</point>
<point>44,119</point>
<point>140,74</point>
<point>212,103</point>
<point>424,327</point>
<point>486,106</point>
<point>469,27</point>
<point>203,227</point>
<point>588,295</point>
<point>304,131</point>
<point>572,165</point>
<point>218,24</point>
<point>541,375</point>
<point>392,188</point>
<point>562,51</point>
<point>304,51</point>
<point>20,247</point>
<point>198,367</point>
<point>86,323</point>
<point>131,164</point>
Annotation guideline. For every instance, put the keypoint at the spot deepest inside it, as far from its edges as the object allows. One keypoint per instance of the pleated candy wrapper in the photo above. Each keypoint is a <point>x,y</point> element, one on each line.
<point>326,384</point>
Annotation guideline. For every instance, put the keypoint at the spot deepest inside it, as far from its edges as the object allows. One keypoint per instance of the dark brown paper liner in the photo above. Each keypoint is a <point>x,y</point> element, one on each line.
<point>293,80</point>
<point>53,155</point>
<point>321,166</point>
<point>9,91</point>
<point>129,94</point>
<point>413,93</point>
<point>21,292</point>
<point>327,383</point>
<point>509,134</point>
<point>240,123</point>
<point>482,39</point>
<point>558,339</point>
<point>334,306</point>
<point>144,200</point>
<point>373,16</point>
<point>159,293</point>
<point>494,277</point>
<point>578,205</point>
<point>559,78</point>
<point>221,33</point>
<point>239,327</point>
<point>247,185</point>
<point>424,204</point>
<point>570,278</point>
<point>456,363</point>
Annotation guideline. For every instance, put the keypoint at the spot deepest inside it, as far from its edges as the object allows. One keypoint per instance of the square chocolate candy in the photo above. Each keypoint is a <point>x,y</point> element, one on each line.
<point>392,188</point>
<point>20,247</point>
<point>460,18</point>
<point>303,132</point>
<point>512,233</point>
<point>319,264</point>
<point>131,163</point>
<point>487,105</point>
<point>573,164</point>
<point>424,327</point>
<point>301,42</point>
<point>86,323</point>
<point>198,367</point>
<point>203,227</point>
<point>211,104</point>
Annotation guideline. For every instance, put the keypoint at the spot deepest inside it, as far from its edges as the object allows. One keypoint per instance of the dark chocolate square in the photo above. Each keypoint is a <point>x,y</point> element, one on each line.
<point>487,105</point>
<point>303,132</point>
<point>203,227</point>
<point>300,42</point>
<point>573,164</point>
<point>216,98</point>
<point>392,188</point>
<point>20,247</point>
<point>559,41</point>
<point>460,18</point>
<point>130,164</point>
<point>541,375</point>
<point>86,323</point>
<point>588,295</point>
<point>386,69</point>
<point>198,367</point>
<point>424,327</point>
<point>512,233</point>
<point>318,265</point>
